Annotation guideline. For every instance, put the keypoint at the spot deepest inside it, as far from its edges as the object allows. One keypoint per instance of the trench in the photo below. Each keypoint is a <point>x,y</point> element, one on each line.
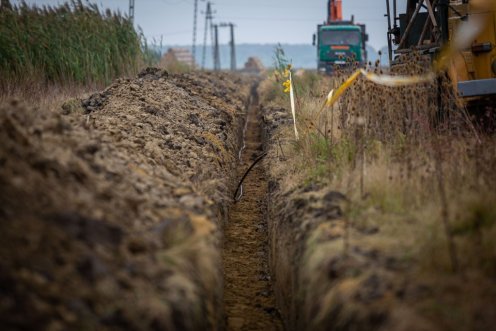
<point>249,301</point>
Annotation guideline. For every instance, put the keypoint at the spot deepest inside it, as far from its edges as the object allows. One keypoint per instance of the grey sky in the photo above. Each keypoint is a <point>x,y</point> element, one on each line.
<point>257,21</point>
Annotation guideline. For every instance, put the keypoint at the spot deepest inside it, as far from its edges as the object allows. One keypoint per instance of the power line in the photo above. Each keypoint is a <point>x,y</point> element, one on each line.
<point>175,3</point>
<point>289,19</point>
<point>251,5</point>
<point>272,19</point>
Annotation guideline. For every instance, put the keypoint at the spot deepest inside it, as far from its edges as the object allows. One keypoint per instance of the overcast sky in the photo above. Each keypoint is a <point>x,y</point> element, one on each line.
<point>257,21</point>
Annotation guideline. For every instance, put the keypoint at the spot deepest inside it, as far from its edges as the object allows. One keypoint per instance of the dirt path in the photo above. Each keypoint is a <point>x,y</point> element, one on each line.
<point>249,301</point>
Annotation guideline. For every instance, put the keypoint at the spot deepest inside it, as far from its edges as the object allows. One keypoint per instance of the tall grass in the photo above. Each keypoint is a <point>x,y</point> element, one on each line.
<point>74,42</point>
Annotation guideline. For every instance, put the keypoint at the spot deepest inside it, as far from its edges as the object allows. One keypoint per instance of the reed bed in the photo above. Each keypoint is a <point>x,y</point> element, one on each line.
<point>70,43</point>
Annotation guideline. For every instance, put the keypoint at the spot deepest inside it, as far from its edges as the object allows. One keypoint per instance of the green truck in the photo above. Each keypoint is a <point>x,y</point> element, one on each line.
<point>339,43</point>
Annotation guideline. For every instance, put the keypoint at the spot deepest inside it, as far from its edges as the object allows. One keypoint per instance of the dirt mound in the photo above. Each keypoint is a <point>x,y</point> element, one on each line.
<point>253,65</point>
<point>110,209</point>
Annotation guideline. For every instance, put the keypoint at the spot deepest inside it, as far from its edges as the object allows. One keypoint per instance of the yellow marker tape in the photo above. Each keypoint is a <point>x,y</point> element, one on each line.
<point>334,95</point>
<point>342,88</point>
<point>386,80</point>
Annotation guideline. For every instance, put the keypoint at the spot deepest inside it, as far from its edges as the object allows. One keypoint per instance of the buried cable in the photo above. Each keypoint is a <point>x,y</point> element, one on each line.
<point>236,199</point>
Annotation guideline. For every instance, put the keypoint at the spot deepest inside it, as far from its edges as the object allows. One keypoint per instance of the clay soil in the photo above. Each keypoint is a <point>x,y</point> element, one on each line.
<point>249,301</point>
<point>111,208</point>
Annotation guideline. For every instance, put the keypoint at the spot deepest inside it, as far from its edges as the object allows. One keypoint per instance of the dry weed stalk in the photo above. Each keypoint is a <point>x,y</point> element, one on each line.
<point>390,148</point>
<point>444,205</point>
<point>346,237</point>
<point>400,122</point>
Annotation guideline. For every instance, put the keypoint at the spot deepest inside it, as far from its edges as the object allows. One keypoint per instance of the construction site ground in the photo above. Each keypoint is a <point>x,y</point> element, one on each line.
<point>117,212</point>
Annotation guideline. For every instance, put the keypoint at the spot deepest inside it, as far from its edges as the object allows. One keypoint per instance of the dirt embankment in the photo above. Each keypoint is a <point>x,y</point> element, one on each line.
<point>111,212</point>
<point>329,277</point>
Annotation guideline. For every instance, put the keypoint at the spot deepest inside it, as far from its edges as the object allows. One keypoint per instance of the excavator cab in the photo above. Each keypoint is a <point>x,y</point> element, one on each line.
<point>427,25</point>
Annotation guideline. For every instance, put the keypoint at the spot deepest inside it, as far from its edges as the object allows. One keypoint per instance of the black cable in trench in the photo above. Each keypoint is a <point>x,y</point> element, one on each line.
<point>236,199</point>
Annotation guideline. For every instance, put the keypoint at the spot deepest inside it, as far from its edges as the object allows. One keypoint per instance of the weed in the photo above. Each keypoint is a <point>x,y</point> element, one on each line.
<point>406,155</point>
<point>281,62</point>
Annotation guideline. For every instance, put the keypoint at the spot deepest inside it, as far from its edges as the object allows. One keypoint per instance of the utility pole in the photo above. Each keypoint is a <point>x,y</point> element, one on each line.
<point>131,11</point>
<point>208,24</point>
<point>231,44</point>
<point>194,35</point>
<point>389,33</point>
<point>161,44</point>
<point>216,48</point>
<point>233,48</point>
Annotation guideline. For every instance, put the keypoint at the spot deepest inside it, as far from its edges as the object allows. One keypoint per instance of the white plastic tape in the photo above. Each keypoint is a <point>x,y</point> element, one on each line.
<point>291,97</point>
<point>388,80</point>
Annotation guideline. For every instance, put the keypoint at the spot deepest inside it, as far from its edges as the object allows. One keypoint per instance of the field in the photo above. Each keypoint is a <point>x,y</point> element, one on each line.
<point>135,197</point>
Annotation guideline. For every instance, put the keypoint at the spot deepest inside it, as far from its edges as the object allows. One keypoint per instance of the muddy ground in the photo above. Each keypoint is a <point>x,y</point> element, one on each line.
<point>111,208</point>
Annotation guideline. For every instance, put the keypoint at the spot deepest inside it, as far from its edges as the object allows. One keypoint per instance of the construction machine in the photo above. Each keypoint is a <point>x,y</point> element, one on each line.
<point>340,43</point>
<point>427,26</point>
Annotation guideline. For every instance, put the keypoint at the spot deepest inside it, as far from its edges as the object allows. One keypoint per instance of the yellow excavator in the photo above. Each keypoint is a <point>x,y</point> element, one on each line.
<point>427,25</point>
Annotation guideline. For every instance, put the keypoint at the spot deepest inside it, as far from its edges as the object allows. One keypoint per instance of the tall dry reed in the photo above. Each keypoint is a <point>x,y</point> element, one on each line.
<point>74,42</point>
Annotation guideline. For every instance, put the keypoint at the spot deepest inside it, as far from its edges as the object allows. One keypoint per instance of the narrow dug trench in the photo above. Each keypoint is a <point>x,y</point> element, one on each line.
<point>249,301</point>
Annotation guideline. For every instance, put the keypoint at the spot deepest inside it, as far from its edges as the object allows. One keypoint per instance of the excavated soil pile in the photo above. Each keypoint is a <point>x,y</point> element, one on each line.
<point>111,209</point>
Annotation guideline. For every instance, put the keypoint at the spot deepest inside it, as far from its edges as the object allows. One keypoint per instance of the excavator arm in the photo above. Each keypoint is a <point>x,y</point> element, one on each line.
<point>334,11</point>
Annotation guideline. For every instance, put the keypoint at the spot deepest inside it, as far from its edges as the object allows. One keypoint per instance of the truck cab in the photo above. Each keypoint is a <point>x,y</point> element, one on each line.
<point>339,45</point>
